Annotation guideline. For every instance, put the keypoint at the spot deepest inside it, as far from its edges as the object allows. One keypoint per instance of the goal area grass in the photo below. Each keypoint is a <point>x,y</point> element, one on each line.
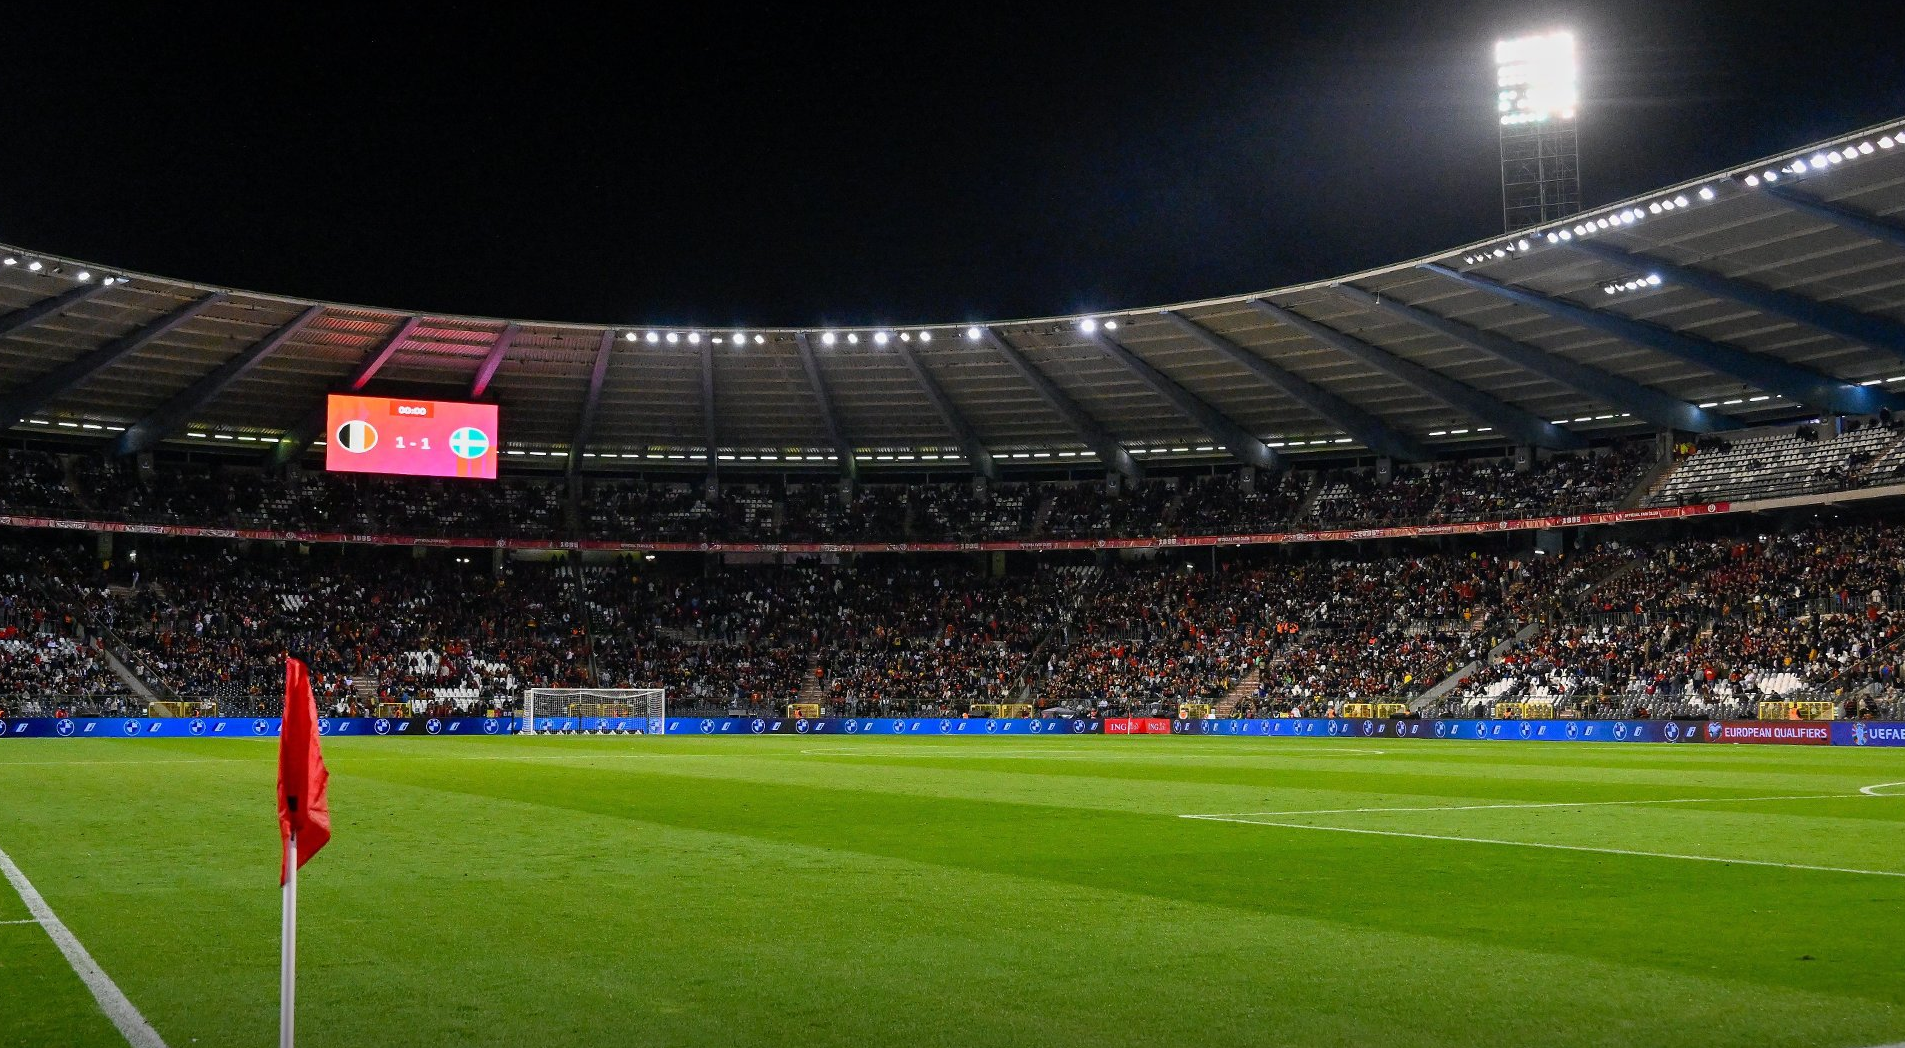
<point>801,891</point>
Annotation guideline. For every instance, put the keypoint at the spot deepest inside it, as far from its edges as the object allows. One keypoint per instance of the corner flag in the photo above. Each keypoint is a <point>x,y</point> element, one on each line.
<point>304,821</point>
<point>304,812</point>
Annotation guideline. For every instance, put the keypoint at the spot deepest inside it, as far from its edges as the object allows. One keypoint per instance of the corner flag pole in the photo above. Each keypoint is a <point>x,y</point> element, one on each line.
<point>288,956</point>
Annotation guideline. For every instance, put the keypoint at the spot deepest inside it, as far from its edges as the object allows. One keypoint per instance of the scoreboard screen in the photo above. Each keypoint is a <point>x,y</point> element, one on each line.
<point>418,438</point>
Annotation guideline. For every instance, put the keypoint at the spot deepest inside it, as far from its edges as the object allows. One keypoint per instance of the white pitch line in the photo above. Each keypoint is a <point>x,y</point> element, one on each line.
<point>1558,847</point>
<point>1873,791</point>
<point>133,1026</point>
<point>28,920</point>
<point>1542,804</point>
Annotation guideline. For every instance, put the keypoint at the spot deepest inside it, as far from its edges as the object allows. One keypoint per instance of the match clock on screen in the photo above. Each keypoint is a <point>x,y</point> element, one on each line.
<point>424,438</point>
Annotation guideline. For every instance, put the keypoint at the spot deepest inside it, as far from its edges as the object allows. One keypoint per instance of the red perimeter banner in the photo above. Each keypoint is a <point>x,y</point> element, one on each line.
<point>1035,545</point>
<point>1137,726</point>
<point>1782,733</point>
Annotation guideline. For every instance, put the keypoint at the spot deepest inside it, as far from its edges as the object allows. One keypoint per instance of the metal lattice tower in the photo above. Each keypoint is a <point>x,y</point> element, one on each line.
<point>1537,98</point>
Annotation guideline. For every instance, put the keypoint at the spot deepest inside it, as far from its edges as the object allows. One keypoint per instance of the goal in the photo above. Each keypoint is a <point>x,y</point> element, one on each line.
<point>600,711</point>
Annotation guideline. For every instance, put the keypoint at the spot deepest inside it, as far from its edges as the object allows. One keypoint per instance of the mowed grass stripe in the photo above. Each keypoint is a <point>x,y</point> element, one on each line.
<point>1252,780</point>
<point>42,1002</point>
<point>1614,902</point>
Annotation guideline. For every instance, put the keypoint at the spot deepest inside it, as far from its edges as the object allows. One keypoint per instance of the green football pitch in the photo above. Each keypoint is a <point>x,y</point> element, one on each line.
<point>798,891</point>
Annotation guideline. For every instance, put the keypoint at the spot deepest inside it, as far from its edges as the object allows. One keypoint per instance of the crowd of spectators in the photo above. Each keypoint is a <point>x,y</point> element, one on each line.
<point>211,493</point>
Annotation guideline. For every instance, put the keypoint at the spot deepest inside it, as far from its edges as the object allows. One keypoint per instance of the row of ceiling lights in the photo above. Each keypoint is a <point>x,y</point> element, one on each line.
<point>34,265</point>
<point>1825,158</point>
<point>1088,325</point>
<point>1635,283</point>
<point>1628,216</point>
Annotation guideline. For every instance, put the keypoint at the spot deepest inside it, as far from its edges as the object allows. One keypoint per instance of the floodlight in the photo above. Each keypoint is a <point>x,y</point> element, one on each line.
<point>1088,325</point>
<point>879,338</point>
<point>1537,78</point>
<point>853,340</point>
<point>740,338</point>
<point>83,276</point>
<point>1111,325</point>
<point>11,261</point>
<point>628,337</point>
<point>651,338</point>
<point>760,340</point>
<point>1706,192</point>
<point>674,337</point>
<point>35,265</point>
<point>925,336</point>
<point>972,334</point>
<point>827,338</point>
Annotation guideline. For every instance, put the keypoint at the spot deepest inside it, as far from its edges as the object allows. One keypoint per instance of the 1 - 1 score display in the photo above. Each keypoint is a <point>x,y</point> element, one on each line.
<point>418,438</point>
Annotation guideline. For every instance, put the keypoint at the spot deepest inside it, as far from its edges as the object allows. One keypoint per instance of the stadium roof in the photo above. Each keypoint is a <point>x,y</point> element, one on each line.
<point>1761,293</point>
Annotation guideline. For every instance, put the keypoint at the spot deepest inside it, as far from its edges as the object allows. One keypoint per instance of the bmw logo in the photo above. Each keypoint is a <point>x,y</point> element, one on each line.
<point>1574,730</point>
<point>1673,731</point>
<point>1035,727</point>
<point>489,726</point>
<point>1078,726</point>
<point>945,726</point>
<point>801,725</point>
<point>1620,731</point>
<point>991,725</point>
<point>1441,730</point>
<point>899,727</point>
<point>757,726</point>
<point>707,727</point>
<point>259,727</point>
<point>382,727</point>
<point>853,726</point>
<point>65,726</point>
<point>1369,728</point>
<point>131,727</point>
<point>324,726</point>
<point>433,726</point>
<point>1527,730</point>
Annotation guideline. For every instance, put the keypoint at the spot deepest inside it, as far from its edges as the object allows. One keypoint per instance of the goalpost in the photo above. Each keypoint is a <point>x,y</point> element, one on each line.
<point>594,711</point>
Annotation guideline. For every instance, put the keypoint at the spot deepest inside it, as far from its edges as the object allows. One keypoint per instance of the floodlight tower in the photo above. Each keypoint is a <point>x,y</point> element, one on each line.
<point>1537,83</point>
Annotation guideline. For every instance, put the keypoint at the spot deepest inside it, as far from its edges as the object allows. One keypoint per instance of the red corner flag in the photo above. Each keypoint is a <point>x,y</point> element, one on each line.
<point>303,809</point>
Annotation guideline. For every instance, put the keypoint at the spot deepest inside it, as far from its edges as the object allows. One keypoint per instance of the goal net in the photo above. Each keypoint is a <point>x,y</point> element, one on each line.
<point>596,711</point>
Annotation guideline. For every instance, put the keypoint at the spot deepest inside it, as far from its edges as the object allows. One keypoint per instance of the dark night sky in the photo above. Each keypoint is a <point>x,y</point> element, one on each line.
<point>780,166</point>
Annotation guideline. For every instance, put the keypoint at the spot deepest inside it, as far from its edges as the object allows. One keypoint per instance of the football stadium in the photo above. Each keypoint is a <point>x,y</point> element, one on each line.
<point>1497,646</point>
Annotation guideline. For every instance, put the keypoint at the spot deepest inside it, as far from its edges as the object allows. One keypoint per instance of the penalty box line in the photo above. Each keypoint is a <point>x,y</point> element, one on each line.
<point>1240,815</point>
<point>132,1025</point>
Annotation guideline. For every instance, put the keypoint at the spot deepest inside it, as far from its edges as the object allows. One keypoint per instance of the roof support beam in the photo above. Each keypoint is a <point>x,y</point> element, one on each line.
<point>1368,430</point>
<point>300,436</point>
<point>1235,439</point>
<point>21,319</point>
<point>598,375</point>
<point>1505,418</point>
<point>707,406</point>
<point>1812,388</point>
<point>1643,402</point>
<point>26,399</point>
<point>811,365</point>
<point>493,360</point>
<point>1096,437</point>
<point>169,416</point>
<point>1884,335</point>
<point>976,454</point>
<point>1884,230</point>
